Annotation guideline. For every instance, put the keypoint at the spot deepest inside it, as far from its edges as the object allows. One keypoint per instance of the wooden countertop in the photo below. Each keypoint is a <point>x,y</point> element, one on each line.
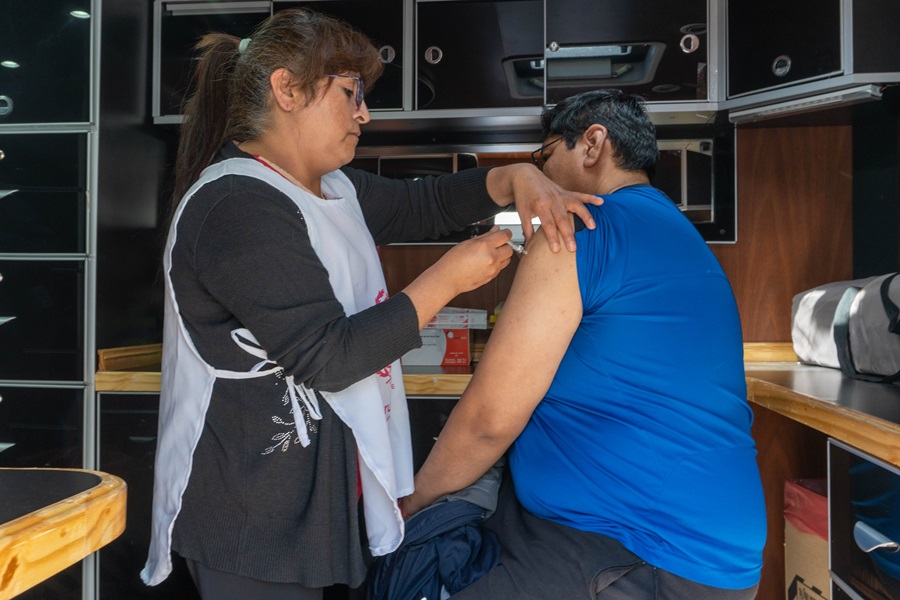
<point>865,415</point>
<point>862,414</point>
<point>52,518</point>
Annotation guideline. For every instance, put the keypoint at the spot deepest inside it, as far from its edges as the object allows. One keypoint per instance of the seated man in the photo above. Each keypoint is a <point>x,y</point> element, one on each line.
<point>615,377</point>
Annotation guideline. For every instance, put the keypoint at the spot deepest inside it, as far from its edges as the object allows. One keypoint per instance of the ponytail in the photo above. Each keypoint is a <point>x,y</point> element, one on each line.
<point>205,113</point>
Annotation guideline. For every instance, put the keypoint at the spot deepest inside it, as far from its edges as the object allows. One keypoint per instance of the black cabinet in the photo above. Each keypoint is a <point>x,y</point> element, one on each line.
<point>656,48</point>
<point>772,43</point>
<point>42,320</point>
<point>427,417</point>
<point>479,54</point>
<point>863,523</point>
<point>382,21</point>
<point>45,70</point>
<point>178,27</point>
<point>43,160</point>
<point>127,448</point>
<point>41,427</point>
<point>43,192</point>
<point>828,43</point>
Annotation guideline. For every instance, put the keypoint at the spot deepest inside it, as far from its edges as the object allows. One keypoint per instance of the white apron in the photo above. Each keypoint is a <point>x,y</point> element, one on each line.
<point>374,408</point>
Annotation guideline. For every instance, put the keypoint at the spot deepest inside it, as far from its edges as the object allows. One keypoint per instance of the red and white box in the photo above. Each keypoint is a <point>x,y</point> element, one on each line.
<point>440,347</point>
<point>445,338</point>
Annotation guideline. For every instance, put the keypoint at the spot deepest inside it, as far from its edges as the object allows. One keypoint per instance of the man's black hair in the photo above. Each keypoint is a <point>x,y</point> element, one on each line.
<point>630,130</point>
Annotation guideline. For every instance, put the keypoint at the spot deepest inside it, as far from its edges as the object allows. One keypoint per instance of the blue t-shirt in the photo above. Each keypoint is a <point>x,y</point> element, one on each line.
<point>644,434</point>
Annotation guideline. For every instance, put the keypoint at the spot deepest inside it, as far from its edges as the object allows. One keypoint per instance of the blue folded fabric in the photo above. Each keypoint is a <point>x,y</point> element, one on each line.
<point>445,546</point>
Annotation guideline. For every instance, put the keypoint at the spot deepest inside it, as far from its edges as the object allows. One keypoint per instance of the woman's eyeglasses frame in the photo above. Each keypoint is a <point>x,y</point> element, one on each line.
<point>360,91</point>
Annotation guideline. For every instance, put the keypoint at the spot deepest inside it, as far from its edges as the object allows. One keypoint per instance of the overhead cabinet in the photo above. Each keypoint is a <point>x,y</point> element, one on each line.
<point>654,48</point>
<point>779,50</point>
<point>482,56</point>
<point>178,26</point>
<point>383,22</point>
<point>496,63</point>
<point>766,48</point>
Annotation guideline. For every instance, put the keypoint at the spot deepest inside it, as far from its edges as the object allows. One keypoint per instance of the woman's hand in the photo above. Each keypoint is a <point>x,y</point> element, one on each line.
<point>468,265</point>
<point>536,196</point>
<point>474,262</point>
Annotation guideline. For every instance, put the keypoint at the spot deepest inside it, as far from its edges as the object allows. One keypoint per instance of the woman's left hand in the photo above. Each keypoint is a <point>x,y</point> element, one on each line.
<point>537,196</point>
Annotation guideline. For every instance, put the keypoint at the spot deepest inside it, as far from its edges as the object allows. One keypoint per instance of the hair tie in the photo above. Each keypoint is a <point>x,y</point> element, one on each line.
<point>242,47</point>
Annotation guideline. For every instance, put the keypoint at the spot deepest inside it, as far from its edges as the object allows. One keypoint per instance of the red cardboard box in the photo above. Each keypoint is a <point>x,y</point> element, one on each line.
<point>441,347</point>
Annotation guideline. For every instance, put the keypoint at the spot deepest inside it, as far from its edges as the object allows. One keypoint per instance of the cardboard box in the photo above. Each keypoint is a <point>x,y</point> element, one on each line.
<point>440,347</point>
<point>806,574</point>
<point>451,317</point>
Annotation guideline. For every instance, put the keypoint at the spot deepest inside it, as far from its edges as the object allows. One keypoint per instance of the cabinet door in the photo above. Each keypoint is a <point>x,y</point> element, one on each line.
<point>655,48</point>
<point>45,49</point>
<point>41,427</point>
<point>864,523</point>
<point>42,221</point>
<point>382,21</point>
<point>479,54</point>
<point>427,417</point>
<point>181,27</point>
<point>41,320</point>
<point>43,192</point>
<point>773,43</point>
<point>127,448</point>
<point>43,161</point>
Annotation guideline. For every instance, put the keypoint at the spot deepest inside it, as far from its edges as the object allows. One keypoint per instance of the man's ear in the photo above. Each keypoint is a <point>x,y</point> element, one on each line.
<point>287,94</point>
<point>595,138</point>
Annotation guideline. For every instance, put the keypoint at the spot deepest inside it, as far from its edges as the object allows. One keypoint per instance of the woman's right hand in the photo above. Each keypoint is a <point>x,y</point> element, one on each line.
<point>476,261</point>
<point>468,265</point>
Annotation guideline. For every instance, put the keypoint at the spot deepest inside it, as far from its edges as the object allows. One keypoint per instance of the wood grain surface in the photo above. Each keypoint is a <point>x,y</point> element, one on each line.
<point>42,543</point>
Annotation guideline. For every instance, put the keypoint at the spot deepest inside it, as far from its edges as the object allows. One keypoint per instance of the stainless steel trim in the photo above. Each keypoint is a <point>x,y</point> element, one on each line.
<point>179,8</point>
<point>21,383</point>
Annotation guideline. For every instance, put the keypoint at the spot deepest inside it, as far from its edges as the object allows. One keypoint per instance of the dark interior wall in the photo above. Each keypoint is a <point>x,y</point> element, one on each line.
<point>132,181</point>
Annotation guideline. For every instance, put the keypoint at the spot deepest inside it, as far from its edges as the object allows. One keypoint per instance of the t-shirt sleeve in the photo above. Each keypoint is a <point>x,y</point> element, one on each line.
<point>253,256</point>
<point>404,210</point>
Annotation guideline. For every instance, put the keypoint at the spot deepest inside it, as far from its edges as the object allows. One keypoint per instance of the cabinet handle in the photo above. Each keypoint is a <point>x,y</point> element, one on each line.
<point>690,43</point>
<point>781,66</point>
<point>869,539</point>
<point>387,54</point>
<point>433,55</point>
<point>6,105</point>
<point>4,194</point>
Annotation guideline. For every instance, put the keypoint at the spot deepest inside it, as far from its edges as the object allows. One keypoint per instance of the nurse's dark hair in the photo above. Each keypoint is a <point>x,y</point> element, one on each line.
<point>231,97</point>
<point>630,130</point>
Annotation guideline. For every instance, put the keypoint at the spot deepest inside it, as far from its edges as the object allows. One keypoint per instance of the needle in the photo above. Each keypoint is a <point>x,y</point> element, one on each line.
<point>519,248</point>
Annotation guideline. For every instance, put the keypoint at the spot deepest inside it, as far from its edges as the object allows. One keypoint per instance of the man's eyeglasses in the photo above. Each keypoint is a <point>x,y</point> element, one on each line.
<point>360,92</point>
<point>538,158</point>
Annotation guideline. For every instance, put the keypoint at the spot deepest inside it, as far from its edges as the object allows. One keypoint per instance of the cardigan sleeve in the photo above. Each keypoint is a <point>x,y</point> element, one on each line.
<point>405,210</point>
<point>247,261</point>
